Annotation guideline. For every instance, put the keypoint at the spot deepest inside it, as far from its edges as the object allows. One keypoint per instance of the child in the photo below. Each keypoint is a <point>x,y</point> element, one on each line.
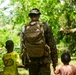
<point>11,60</point>
<point>66,69</point>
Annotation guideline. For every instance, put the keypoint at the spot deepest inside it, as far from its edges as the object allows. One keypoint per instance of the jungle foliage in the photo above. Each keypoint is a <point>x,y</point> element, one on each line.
<point>60,14</point>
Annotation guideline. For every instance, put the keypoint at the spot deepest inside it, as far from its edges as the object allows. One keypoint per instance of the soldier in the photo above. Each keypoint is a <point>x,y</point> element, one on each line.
<point>39,63</point>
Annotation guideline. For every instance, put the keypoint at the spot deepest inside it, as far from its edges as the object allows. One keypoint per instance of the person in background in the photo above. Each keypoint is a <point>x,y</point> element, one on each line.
<point>66,68</point>
<point>38,65</point>
<point>11,59</point>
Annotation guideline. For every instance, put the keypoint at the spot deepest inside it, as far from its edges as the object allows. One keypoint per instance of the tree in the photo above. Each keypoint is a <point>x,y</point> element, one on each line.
<point>56,14</point>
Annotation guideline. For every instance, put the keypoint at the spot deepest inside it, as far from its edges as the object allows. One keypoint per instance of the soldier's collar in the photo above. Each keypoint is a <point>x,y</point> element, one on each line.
<point>34,20</point>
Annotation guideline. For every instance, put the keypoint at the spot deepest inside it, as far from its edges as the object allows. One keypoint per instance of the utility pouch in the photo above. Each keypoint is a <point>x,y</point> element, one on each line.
<point>47,50</point>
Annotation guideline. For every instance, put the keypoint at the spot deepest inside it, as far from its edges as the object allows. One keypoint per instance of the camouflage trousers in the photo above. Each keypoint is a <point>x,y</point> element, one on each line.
<point>35,68</point>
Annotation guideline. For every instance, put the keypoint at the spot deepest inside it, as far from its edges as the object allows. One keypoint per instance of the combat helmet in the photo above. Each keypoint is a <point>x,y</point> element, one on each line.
<point>34,11</point>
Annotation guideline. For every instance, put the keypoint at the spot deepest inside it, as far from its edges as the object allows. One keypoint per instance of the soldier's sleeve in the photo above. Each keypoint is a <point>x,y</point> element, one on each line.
<point>22,45</point>
<point>49,38</point>
<point>22,40</point>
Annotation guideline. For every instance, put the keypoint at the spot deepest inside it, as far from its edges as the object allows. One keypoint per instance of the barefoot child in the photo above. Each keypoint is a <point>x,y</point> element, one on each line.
<point>11,60</point>
<point>66,68</point>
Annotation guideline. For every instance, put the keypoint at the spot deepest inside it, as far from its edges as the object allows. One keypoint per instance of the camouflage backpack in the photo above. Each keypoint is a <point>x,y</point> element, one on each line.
<point>34,39</point>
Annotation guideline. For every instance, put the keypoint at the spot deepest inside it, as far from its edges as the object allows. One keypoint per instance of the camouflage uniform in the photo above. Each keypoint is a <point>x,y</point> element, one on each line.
<point>41,65</point>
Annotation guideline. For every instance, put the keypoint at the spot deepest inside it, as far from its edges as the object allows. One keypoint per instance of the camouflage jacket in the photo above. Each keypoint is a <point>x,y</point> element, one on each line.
<point>49,38</point>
